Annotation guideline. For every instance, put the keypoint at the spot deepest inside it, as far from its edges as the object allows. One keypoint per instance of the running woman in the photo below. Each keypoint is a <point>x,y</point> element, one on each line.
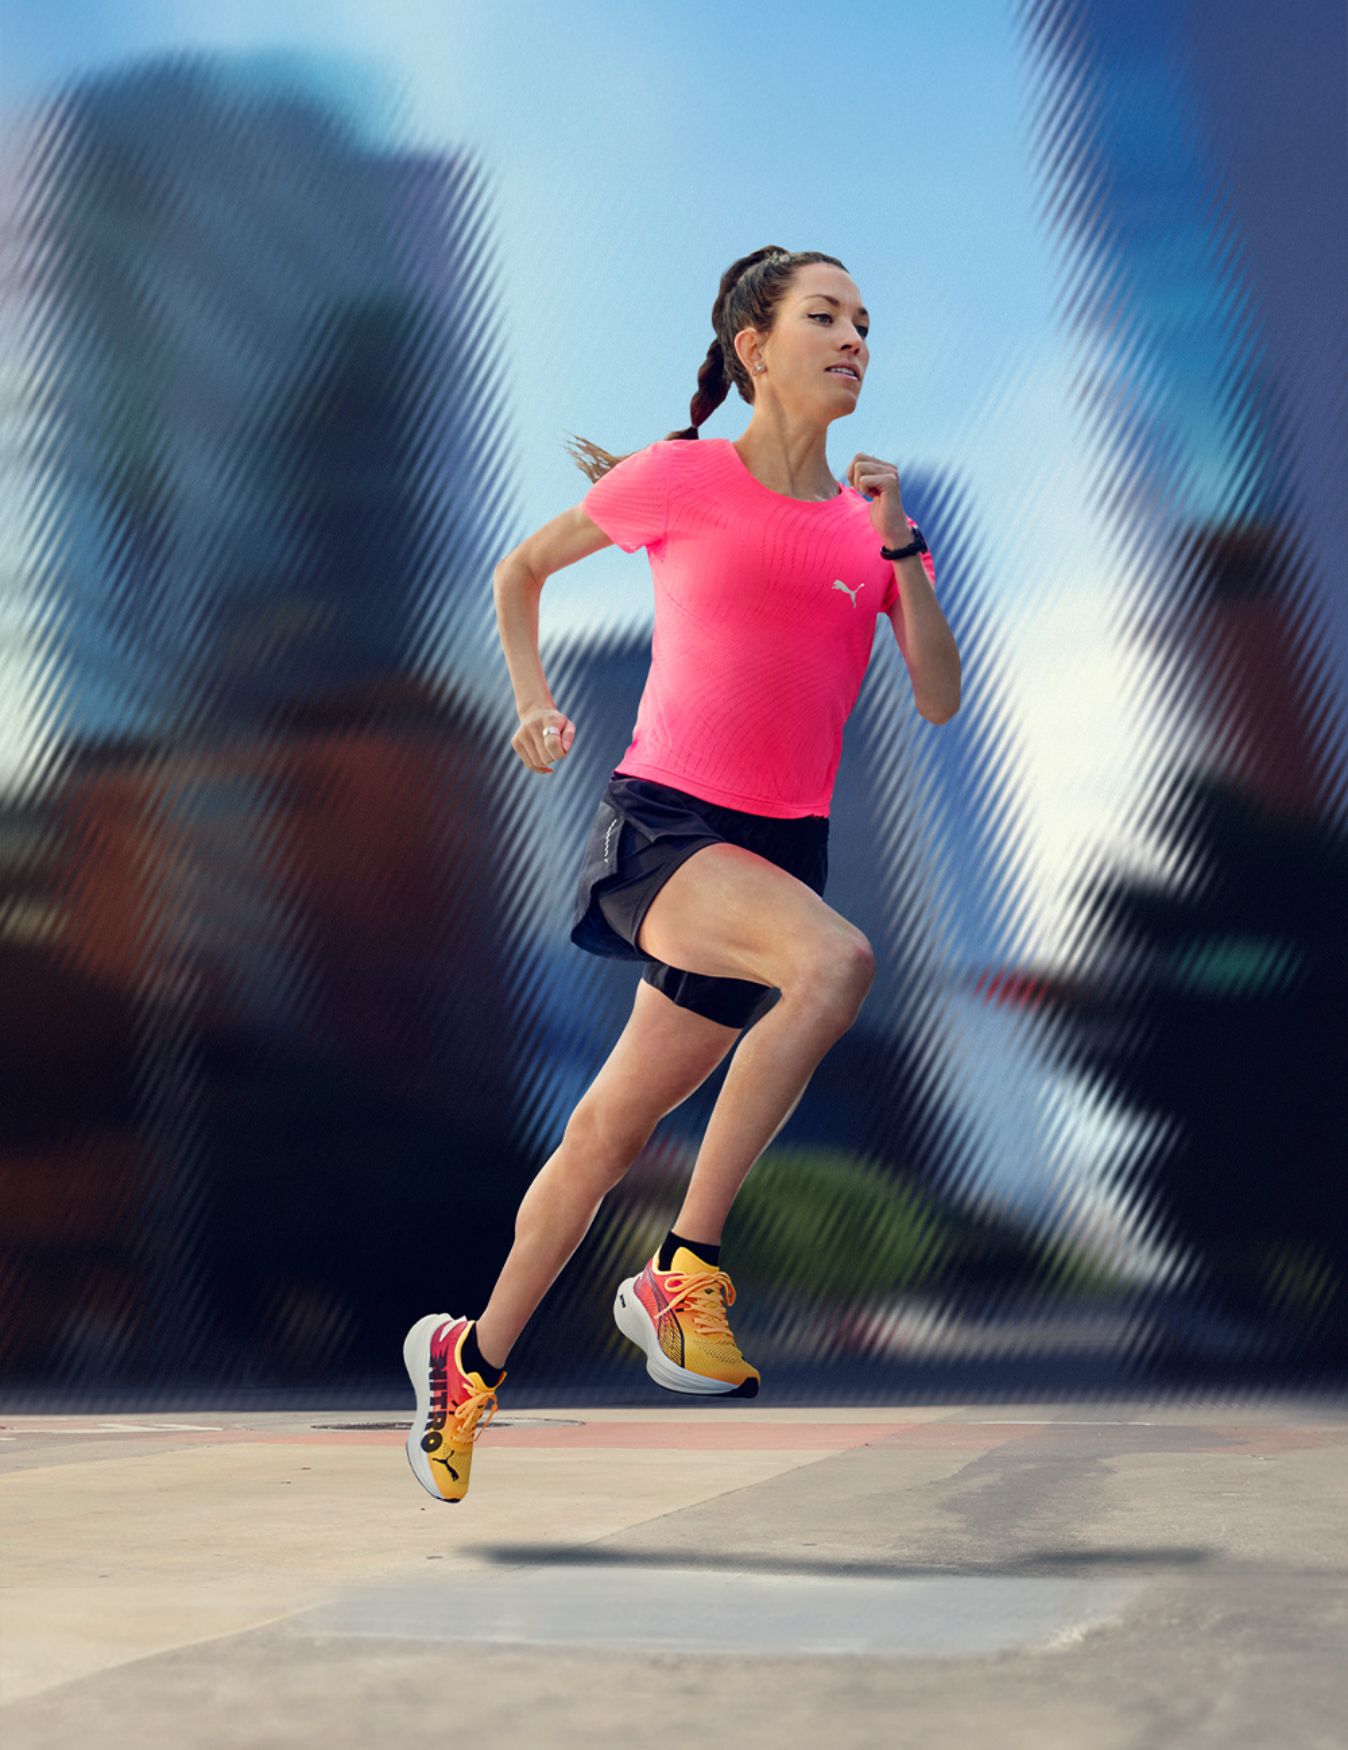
<point>708,853</point>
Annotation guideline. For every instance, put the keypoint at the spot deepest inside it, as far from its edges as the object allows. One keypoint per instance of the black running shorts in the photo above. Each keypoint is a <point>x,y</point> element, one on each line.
<point>642,831</point>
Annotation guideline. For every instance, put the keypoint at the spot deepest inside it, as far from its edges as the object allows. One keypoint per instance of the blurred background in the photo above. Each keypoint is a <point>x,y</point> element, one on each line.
<point>300,305</point>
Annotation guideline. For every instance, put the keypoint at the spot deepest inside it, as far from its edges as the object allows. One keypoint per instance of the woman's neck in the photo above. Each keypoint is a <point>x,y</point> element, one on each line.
<point>794,464</point>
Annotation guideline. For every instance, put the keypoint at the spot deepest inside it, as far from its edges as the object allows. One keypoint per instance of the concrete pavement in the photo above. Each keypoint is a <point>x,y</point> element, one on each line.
<point>1067,1576</point>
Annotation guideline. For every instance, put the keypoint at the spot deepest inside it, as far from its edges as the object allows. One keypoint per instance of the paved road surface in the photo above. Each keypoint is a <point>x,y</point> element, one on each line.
<point>1067,1577</point>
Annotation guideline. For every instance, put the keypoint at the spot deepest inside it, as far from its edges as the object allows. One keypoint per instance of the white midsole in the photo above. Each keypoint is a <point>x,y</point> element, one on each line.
<point>417,1361</point>
<point>634,1322</point>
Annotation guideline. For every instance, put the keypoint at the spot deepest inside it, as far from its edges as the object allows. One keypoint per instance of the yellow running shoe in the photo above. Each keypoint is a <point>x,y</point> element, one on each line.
<point>453,1407</point>
<point>677,1318</point>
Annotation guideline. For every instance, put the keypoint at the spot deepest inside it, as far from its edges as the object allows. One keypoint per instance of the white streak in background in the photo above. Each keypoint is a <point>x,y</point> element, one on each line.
<point>24,668</point>
<point>1094,1147</point>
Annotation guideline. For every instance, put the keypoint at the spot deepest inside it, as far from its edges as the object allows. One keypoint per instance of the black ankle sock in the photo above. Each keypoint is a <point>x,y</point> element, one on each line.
<point>475,1361</point>
<point>665,1258</point>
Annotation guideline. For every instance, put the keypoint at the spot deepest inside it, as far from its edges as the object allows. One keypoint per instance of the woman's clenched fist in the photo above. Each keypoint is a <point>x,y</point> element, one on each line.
<point>543,737</point>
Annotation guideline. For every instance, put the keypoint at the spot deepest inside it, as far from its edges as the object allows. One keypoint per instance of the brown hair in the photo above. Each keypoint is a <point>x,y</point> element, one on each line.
<point>750,291</point>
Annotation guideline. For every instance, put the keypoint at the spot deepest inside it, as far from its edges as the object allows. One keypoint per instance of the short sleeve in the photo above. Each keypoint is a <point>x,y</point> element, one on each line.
<point>630,503</point>
<point>891,594</point>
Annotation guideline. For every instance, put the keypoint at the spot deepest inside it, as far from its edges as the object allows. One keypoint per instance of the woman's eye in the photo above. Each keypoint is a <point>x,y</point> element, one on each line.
<point>828,317</point>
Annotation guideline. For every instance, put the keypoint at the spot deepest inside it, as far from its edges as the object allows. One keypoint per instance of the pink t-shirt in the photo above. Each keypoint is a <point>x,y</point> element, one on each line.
<point>765,615</point>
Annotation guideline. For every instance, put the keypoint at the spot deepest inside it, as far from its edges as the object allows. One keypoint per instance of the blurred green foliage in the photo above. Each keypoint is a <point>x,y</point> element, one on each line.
<point>1069,1268</point>
<point>1298,1278</point>
<point>831,1223</point>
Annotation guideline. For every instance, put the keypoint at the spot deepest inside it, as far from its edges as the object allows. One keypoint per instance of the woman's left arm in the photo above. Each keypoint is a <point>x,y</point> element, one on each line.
<point>927,643</point>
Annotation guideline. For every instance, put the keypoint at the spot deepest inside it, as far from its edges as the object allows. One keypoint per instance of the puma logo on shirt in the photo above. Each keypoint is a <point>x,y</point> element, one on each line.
<point>839,584</point>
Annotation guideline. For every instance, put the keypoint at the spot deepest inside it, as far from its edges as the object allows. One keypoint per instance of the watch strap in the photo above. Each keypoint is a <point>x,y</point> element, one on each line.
<point>917,545</point>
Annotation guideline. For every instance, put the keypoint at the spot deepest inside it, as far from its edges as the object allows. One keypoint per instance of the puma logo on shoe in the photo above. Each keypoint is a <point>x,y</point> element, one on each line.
<point>448,1466</point>
<point>839,584</point>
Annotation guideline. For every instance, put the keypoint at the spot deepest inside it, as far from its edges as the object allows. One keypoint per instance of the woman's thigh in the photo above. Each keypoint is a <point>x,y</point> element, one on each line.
<point>662,1055</point>
<point>729,913</point>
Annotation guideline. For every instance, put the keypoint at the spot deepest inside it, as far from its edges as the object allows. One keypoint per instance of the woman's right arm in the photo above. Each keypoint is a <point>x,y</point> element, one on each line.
<point>517,584</point>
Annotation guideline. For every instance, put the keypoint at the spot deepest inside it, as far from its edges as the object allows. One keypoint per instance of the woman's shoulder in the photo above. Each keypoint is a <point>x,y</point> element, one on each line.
<point>694,464</point>
<point>684,452</point>
<point>670,463</point>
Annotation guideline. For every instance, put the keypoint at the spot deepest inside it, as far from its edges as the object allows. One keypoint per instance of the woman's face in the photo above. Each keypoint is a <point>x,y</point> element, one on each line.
<point>821,326</point>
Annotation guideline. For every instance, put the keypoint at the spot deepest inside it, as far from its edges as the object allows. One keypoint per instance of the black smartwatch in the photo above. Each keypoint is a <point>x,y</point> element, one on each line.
<point>916,546</point>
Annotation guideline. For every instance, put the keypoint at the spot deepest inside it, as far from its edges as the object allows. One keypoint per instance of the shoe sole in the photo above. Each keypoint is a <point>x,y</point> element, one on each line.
<point>634,1322</point>
<point>417,1361</point>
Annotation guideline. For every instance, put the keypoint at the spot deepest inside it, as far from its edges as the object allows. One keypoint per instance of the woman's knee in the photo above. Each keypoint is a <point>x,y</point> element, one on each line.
<point>834,974</point>
<point>605,1142</point>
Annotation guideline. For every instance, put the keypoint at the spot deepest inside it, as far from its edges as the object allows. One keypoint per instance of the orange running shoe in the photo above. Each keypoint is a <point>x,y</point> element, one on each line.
<point>677,1318</point>
<point>453,1407</point>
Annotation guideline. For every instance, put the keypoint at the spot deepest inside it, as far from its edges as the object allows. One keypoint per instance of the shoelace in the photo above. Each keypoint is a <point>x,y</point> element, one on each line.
<point>700,1292</point>
<point>474,1414</point>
